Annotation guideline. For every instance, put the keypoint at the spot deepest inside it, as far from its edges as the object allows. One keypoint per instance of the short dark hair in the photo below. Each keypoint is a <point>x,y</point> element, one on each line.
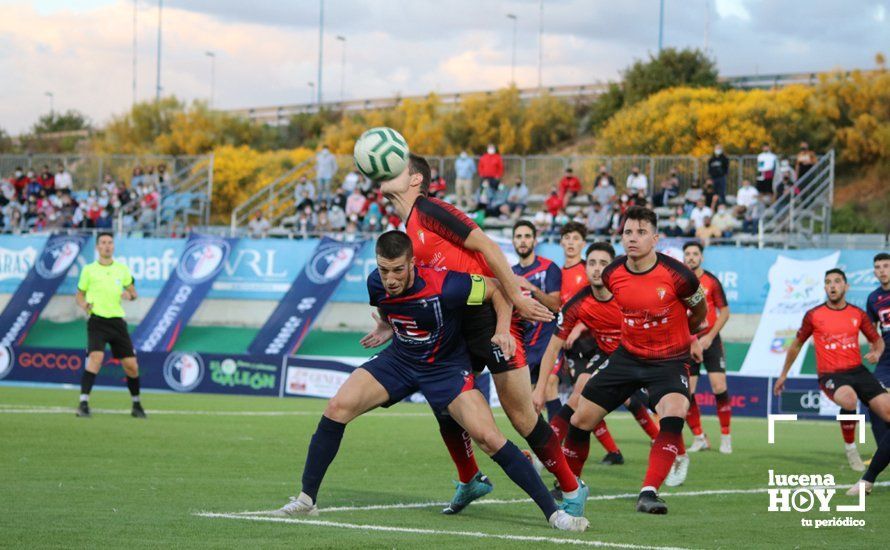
<point>101,234</point>
<point>573,227</point>
<point>838,271</point>
<point>689,244</point>
<point>393,245</point>
<point>881,256</point>
<point>418,165</point>
<point>601,246</point>
<point>641,213</point>
<point>525,223</point>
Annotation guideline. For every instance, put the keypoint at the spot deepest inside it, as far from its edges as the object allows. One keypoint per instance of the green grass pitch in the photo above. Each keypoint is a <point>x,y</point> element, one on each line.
<point>113,481</point>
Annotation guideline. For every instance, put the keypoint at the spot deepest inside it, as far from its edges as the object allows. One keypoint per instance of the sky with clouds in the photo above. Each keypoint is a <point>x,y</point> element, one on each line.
<point>267,51</point>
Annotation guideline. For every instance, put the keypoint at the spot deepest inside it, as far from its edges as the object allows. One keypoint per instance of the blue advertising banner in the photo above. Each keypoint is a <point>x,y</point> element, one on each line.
<point>44,276</point>
<point>202,260</point>
<point>264,269</point>
<point>287,326</point>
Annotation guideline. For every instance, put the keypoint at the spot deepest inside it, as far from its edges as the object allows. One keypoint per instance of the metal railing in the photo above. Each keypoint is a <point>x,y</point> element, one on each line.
<point>280,114</point>
<point>805,211</point>
<point>275,200</point>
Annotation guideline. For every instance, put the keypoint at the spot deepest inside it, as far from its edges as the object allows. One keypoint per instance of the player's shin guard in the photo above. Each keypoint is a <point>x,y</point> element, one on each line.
<point>668,445</point>
<point>552,407</point>
<point>576,449</point>
<point>601,431</point>
<point>724,411</point>
<point>523,474</point>
<point>848,428</point>
<point>546,446</point>
<point>560,423</point>
<point>460,447</point>
<point>643,418</point>
<point>693,417</point>
<point>322,449</point>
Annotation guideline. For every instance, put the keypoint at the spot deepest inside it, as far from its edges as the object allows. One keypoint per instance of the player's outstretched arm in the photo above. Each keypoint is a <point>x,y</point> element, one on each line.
<point>549,367</point>
<point>790,357</point>
<point>381,333</point>
<point>527,307</point>
<point>550,300</point>
<point>503,309</point>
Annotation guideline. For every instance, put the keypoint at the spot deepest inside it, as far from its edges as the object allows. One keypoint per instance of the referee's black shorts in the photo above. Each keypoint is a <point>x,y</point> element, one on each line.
<point>102,331</point>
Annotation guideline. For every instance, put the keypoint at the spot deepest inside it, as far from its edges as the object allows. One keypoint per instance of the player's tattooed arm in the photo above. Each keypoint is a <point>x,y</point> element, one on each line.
<point>698,310</point>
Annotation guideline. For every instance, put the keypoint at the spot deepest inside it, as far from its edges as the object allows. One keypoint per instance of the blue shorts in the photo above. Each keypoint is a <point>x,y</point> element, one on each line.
<point>440,385</point>
<point>882,373</point>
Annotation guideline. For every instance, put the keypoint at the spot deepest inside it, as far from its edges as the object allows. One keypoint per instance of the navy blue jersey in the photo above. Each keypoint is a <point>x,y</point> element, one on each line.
<point>426,318</point>
<point>547,276</point>
<point>878,308</point>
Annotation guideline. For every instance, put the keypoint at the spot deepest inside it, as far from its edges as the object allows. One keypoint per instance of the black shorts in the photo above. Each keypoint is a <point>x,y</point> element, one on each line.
<point>113,332</point>
<point>477,328</point>
<point>863,382</point>
<point>623,374</point>
<point>714,358</point>
<point>588,364</point>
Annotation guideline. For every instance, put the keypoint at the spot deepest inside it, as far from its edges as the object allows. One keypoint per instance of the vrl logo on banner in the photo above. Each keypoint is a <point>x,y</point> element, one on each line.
<point>40,284</point>
<point>202,261</point>
<point>287,326</point>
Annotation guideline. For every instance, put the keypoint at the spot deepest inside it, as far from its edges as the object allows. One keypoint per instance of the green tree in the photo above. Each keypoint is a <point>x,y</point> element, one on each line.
<point>671,68</point>
<point>5,142</point>
<point>68,121</point>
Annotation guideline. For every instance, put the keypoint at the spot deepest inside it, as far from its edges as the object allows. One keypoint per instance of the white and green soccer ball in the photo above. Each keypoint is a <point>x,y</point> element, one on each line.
<point>381,153</point>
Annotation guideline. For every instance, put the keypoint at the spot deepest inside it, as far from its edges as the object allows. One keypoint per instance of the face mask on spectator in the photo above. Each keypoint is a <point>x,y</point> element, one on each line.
<point>18,173</point>
<point>491,150</point>
<point>718,151</point>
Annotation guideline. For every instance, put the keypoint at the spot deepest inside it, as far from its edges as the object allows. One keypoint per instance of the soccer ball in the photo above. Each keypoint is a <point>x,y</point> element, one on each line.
<point>381,153</point>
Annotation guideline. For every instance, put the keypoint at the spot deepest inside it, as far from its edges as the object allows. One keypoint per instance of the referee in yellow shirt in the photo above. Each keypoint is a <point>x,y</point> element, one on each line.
<point>101,287</point>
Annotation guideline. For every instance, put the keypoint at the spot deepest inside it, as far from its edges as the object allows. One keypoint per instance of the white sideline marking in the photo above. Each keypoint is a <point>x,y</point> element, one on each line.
<point>771,424</point>
<point>493,501</point>
<point>412,530</point>
<point>24,409</point>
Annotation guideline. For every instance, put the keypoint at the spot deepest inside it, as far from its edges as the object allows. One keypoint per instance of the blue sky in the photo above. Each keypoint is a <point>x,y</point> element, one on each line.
<point>266,51</point>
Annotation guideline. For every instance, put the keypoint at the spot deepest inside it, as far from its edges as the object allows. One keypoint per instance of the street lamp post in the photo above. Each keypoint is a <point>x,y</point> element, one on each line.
<point>51,97</point>
<point>311,93</point>
<point>342,68</point>
<point>212,57</point>
<point>513,59</point>
<point>320,47</point>
<point>660,24</point>
<point>158,77</point>
<point>540,42</point>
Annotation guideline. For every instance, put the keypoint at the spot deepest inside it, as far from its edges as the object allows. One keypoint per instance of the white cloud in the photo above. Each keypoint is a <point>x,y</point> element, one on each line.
<point>732,8</point>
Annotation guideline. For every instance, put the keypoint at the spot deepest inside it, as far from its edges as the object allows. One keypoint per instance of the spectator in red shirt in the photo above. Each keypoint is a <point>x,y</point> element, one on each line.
<point>569,187</point>
<point>19,181</point>
<point>553,204</point>
<point>47,180</point>
<point>491,165</point>
<point>438,185</point>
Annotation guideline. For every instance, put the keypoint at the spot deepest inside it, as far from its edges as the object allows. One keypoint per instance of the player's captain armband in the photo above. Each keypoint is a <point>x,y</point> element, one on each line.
<point>697,297</point>
<point>477,290</point>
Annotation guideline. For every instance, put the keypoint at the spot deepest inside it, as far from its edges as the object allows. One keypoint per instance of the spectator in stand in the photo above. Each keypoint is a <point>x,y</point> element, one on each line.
<point>371,208</point>
<point>718,169</point>
<point>724,221</point>
<point>136,178</point>
<point>437,184</point>
<point>517,199</point>
<point>164,180</point>
<point>323,220</point>
<point>785,185</point>
<point>149,178</point>
<point>560,219</point>
<point>63,180</point>
<point>693,194</point>
<point>109,185</point>
<point>699,213</point>
<point>12,220</point>
<point>365,184</point>
<point>104,221</point>
<point>47,180</point>
<point>33,188</point>
<point>305,223</point>
<point>498,205</point>
<point>325,170</point>
<point>337,218</point>
<point>258,226</point>
<point>598,219</point>
<point>767,163</point>
<point>805,160</point>
<point>20,181</point>
<point>148,205</point>
<point>747,195</point>
<point>710,194</point>
<point>604,191</point>
<point>355,204</point>
<point>569,187</point>
<point>391,217</point>
<point>637,181</point>
<point>340,199</point>
<point>305,201</point>
<point>708,231</point>
<point>351,232</point>
<point>464,170</point>
<point>753,214</point>
<point>637,197</point>
<point>484,196</point>
<point>553,204</point>
<point>668,189</point>
<point>671,228</point>
<point>7,192</point>
<point>304,185</point>
<point>491,165</point>
<point>351,181</point>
